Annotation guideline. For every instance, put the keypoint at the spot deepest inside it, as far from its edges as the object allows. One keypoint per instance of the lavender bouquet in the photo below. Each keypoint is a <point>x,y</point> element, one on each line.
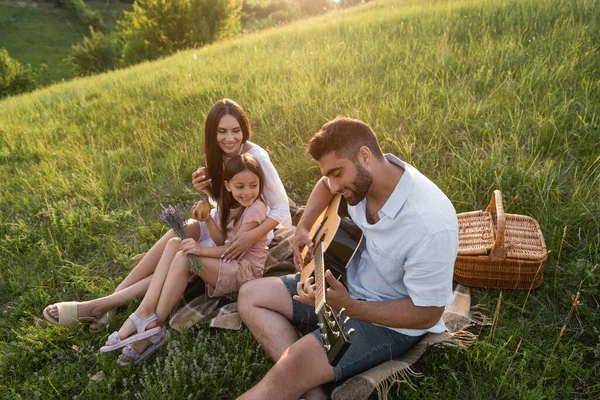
<point>174,219</point>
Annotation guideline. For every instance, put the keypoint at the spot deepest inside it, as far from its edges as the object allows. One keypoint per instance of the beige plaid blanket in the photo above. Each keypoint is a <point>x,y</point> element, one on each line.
<point>195,307</point>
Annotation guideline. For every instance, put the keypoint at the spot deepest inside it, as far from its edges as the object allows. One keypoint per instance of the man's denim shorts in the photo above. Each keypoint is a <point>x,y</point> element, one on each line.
<point>370,344</point>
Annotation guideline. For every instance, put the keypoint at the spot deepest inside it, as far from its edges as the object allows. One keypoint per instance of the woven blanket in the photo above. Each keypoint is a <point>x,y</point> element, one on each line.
<point>196,307</point>
<point>457,317</point>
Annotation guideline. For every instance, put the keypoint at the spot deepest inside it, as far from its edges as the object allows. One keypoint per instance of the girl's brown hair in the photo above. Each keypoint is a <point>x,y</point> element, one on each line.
<point>212,152</point>
<point>234,166</point>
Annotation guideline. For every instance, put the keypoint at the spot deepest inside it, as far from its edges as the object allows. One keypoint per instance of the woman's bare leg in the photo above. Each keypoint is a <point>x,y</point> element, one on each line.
<point>136,282</point>
<point>97,307</point>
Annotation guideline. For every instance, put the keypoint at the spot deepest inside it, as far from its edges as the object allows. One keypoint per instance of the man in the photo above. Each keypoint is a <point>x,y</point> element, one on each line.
<point>397,288</point>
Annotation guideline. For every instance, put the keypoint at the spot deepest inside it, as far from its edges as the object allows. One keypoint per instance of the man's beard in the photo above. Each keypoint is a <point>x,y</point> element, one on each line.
<point>362,183</point>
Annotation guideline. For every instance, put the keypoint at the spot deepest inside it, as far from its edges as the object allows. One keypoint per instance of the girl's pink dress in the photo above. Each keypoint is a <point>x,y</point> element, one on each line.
<point>234,273</point>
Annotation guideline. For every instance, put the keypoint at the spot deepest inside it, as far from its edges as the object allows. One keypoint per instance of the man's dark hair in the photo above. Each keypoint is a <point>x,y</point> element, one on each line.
<point>344,136</point>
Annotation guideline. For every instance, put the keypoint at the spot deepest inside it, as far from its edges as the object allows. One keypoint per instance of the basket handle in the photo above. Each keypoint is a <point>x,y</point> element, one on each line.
<point>496,208</point>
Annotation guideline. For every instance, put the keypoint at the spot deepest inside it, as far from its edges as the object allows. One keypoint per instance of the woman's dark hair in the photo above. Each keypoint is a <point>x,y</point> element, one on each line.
<point>212,152</point>
<point>234,166</point>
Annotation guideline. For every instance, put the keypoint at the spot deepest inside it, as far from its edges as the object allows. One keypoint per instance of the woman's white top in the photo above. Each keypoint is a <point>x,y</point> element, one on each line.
<point>278,207</point>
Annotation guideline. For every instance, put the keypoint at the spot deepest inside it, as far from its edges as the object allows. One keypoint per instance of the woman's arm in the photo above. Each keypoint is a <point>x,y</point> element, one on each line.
<point>190,246</point>
<point>273,191</point>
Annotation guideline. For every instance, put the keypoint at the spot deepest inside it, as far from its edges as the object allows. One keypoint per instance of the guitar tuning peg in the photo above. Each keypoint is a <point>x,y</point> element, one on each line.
<point>324,337</point>
<point>328,313</point>
<point>336,334</point>
<point>327,347</point>
<point>346,320</point>
<point>351,332</point>
<point>320,325</point>
<point>341,312</point>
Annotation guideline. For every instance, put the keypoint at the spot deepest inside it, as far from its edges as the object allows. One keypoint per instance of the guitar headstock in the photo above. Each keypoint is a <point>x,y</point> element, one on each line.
<point>335,338</point>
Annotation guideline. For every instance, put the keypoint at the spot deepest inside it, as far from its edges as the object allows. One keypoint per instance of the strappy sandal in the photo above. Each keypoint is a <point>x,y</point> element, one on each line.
<point>116,342</point>
<point>103,321</point>
<point>133,357</point>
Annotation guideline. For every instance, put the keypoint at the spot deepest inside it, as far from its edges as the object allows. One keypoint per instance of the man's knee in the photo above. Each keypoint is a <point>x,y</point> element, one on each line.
<point>246,299</point>
<point>267,293</point>
<point>306,358</point>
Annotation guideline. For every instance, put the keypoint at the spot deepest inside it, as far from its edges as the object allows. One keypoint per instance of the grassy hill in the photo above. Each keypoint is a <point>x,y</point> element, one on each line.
<point>477,94</point>
<point>39,33</point>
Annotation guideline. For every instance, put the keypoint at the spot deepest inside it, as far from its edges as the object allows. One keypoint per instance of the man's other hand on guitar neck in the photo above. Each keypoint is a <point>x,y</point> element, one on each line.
<point>337,295</point>
<point>306,292</point>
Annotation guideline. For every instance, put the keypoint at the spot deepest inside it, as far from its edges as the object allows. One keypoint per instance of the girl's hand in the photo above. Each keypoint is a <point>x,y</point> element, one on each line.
<point>240,244</point>
<point>201,180</point>
<point>201,211</point>
<point>190,246</point>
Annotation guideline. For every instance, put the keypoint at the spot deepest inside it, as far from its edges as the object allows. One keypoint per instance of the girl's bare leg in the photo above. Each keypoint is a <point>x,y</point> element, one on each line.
<point>153,294</point>
<point>172,290</point>
<point>148,263</point>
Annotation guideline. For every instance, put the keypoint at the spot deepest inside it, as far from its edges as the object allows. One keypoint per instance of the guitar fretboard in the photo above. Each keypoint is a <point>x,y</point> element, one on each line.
<point>320,297</point>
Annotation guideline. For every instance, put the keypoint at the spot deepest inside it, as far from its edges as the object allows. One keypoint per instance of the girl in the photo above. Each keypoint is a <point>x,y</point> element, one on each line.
<point>226,134</point>
<point>241,210</point>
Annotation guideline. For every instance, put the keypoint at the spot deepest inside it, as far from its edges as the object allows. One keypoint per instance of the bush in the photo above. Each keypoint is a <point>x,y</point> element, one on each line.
<point>97,53</point>
<point>157,28</point>
<point>85,14</point>
<point>14,78</point>
<point>214,20</point>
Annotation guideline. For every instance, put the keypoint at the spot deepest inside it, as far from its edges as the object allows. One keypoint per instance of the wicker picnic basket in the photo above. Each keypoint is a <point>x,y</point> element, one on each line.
<point>498,250</point>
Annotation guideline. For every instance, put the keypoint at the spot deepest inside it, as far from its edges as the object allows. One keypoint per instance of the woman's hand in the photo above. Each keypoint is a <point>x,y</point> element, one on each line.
<point>190,246</point>
<point>201,180</point>
<point>240,244</point>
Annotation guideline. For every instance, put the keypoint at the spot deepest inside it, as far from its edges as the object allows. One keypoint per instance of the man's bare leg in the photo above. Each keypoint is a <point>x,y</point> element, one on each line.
<point>265,306</point>
<point>300,370</point>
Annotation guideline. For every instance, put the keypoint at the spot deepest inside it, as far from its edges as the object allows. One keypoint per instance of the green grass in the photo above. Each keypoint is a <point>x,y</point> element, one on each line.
<point>479,95</point>
<point>37,33</point>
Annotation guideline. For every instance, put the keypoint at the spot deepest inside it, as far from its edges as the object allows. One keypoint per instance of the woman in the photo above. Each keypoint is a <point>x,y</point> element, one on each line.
<point>226,134</point>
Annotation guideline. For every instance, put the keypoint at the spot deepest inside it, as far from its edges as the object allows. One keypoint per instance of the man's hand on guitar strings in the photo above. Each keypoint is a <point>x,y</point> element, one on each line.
<point>337,295</point>
<point>306,292</point>
<point>301,239</point>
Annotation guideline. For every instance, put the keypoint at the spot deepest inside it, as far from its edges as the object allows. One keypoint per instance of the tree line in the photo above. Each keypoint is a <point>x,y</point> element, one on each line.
<point>158,28</point>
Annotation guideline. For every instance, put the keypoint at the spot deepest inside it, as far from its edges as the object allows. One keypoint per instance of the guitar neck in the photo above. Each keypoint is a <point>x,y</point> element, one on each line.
<point>320,291</point>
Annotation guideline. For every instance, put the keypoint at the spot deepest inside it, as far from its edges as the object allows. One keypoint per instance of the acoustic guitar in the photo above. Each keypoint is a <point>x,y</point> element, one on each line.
<point>335,241</point>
